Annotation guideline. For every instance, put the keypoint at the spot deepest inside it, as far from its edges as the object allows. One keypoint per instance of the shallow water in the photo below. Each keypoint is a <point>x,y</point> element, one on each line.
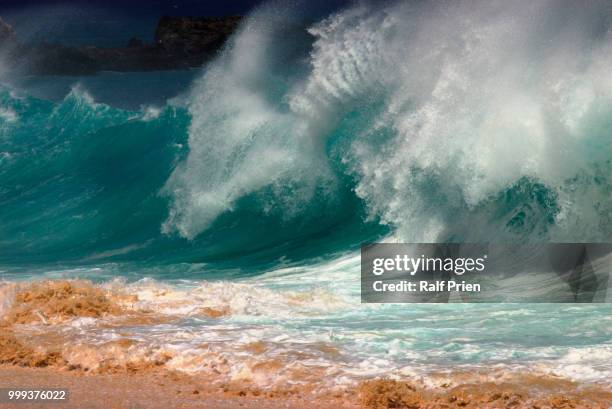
<point>304,325</point>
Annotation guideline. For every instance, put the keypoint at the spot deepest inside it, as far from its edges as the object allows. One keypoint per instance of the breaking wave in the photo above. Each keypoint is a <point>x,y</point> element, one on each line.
<point>437,121</point>
<point>454,122</point>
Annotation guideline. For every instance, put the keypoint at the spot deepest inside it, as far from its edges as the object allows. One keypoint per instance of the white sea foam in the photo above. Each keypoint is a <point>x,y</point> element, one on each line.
<point>588,364</point>
<point>8,115</point>
<point>273,329</point>
<point>240,139</point>
<point>150,113</point>
<point>478,98</point>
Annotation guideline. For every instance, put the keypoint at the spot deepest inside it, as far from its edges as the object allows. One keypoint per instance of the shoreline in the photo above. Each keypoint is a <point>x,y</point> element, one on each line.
<point>160,388</point>
<point>90,339</point>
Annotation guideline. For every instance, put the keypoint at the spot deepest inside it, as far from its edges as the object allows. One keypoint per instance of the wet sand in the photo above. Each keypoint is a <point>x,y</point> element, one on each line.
<point>155,389</point>
<point>163,389</point>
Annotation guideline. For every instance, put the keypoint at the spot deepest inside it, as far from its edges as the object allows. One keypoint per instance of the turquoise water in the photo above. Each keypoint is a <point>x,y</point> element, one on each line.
<point>251,188</point>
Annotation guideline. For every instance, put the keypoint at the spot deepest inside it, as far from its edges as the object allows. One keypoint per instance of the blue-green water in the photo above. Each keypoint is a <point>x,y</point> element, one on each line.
<point>250,189</point>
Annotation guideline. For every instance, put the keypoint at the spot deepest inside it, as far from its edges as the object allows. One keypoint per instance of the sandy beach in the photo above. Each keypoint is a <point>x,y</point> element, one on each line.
<point>162,389</point>
<point>146,390</point>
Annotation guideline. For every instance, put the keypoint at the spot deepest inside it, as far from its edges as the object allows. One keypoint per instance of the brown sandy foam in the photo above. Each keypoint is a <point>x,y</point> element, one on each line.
<point>57,301</point>
<point>530,392</point>
<point>54,302</point>
<point>214,312</point>
<point>110,357</point>
<point>13,351</point>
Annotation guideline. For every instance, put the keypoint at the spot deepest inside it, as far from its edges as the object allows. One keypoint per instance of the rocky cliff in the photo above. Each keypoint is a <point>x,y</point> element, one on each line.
<point>180,43</point>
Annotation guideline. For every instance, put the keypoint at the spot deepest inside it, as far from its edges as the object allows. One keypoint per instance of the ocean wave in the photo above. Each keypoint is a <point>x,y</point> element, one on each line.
<point>429,108</point>
<point>432,122</point>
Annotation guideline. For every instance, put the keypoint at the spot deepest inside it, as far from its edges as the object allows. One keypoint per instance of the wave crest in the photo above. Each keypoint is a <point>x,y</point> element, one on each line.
<point>436,109</point>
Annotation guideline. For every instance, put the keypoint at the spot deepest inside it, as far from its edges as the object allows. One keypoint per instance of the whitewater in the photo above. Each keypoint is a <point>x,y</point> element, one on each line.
<point>234,213</point>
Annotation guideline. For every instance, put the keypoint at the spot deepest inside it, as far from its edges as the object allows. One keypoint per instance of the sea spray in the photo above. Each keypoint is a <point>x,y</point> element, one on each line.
<point>457,122</point>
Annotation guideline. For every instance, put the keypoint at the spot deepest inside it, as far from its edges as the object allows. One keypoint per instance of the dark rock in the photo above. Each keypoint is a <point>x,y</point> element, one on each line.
<point>56,59</point>
<point>180,43</point>
<point>6,31</point>
<point>8,39</point>
<point>193,35</point>
<point>135,43</point>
